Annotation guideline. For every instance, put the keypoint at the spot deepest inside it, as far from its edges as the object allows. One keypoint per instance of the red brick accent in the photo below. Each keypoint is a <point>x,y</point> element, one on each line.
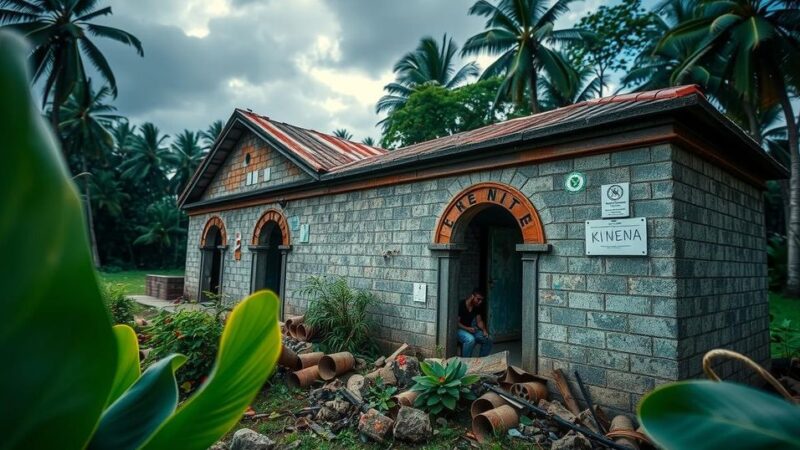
<point>272,215</point>
<point>217,222</point>
<point>471,200</point>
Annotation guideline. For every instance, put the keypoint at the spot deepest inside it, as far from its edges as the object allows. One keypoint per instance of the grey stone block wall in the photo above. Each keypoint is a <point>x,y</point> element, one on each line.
<point>722,268</point>
<point>626,324</point>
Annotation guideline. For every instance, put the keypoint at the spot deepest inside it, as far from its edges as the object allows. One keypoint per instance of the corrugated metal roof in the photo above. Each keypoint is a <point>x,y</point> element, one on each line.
<point>583,111</point>
<point>320,151</point>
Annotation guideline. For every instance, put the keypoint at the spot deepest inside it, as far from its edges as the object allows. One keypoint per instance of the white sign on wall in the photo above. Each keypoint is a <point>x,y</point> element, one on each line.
<point>420,291</point>
<point>617,237</point>
<point>304,232</point>
<point>615,200</point>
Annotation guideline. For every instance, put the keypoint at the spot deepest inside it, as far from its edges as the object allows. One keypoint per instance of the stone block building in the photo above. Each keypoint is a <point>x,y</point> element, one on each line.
<point>505,208</point>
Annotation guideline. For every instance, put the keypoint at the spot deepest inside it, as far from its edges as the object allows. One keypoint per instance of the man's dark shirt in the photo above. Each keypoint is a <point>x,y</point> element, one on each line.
<point>465,316</point>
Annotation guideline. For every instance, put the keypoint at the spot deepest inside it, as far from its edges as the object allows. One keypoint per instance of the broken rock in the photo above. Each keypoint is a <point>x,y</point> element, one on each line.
<point>221,445</point>
<point>557,409</point>
<point>412,425</point>
<point>375,425</point>
<point>572,441</point>
<point>333,410</point>
<point>247,439</point>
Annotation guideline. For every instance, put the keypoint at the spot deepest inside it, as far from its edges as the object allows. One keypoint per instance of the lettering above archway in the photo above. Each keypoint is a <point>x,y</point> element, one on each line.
<point>214,222</point>
<point>272,215</point>
<point>473,199</point>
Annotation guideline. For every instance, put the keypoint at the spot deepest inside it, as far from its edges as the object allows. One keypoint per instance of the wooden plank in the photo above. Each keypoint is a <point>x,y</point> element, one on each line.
<point>563,389</point>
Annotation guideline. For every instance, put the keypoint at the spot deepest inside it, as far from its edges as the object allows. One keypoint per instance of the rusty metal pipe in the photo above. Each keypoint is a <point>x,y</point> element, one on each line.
<point>310,359</point>
<point>486,402</point>
<point>533,391</point>
<point>330,366</point>
<point>303,378</point>
<point>289,359</point>
<point>495,422</point>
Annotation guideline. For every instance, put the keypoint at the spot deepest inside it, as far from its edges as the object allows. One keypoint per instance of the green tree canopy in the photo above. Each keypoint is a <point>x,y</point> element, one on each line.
<point>434,111</point>
<point>60,31</point>
<point>620,33</point>
<point>429,64</point>
<point>522,33</point>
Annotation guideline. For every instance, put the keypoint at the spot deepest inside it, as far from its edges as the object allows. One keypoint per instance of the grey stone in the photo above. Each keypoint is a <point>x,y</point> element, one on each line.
<point>375,425</point>
<point>247,439</point>
<point>412,425</point>
<point>572,441</point>
<point>221,445</point>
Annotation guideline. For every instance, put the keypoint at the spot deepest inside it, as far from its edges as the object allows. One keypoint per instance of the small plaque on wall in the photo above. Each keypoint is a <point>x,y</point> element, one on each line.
<point>617,237</point>
<point>294,223</point>
<point>304,232</point>
<point>615,200</point>
<point>420,292</point>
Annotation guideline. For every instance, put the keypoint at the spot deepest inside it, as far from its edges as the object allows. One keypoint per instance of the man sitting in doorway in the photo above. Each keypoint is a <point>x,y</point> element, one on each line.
<point>471,327</point>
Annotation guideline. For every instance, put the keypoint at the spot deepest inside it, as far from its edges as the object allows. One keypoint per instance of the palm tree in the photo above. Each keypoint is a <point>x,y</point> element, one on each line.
<point>520,32</point>
<point>211,134</point>
<point>342,133</point>
<point>60,31</point>
<point>757,43</point>
<point>84,126</point>
<point>187,154</point>
<point>107,192</point>
<point>429,63</point>
<point>368,141</point>
<point>582,84</point>
<point>163,224</point>
<point>148,156</point>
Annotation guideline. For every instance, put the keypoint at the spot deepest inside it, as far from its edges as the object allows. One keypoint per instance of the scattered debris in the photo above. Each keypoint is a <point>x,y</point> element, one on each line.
<point>221,445</point>
<point>355,384</point>
<point>412,425</point>
<point>247,439</point>
<point>303,378</point>
<point>572,441</point>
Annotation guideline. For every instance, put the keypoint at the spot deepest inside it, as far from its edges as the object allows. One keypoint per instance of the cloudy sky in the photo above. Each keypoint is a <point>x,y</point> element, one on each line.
<point>313,63</point>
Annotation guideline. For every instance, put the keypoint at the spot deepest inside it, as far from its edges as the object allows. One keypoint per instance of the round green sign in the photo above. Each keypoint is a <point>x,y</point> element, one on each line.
<point>575,182</point>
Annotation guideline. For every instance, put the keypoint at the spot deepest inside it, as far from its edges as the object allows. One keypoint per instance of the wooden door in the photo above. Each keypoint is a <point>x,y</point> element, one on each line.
<point>504,284</point>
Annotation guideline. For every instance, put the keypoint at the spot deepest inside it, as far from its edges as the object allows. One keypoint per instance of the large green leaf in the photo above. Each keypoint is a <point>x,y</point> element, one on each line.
<point>135,416</point>
<point>128,368</point>
<point>709,415</point>
<point>56,342</point>
<point>248,352</point>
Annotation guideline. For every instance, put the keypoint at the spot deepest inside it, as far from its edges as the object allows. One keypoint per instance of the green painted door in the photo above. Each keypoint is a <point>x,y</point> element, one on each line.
<point>504,284</point>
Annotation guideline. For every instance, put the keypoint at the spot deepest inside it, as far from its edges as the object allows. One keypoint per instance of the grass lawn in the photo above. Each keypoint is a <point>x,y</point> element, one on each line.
<point>783,308</point>
<point>134,279</point>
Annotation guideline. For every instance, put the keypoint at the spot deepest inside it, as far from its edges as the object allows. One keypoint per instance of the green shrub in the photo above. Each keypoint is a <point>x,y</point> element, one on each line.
<point>442,386</point>
<point>194,334</point>
<point>380,395</point>
<point>119,306</point>
<point>787,336</point>
<point>339,313</point>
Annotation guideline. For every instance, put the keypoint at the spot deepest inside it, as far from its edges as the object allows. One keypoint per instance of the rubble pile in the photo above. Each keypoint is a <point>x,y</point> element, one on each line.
<point>511,403</point>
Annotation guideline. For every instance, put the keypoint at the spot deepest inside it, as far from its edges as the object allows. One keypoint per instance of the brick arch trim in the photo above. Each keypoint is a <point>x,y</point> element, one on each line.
<point>272,215</point>
<point>464,205</point>
<point>214,221</point>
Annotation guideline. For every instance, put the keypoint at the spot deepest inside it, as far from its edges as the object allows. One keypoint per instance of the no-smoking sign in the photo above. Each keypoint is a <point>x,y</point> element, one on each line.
<point>615,200</point>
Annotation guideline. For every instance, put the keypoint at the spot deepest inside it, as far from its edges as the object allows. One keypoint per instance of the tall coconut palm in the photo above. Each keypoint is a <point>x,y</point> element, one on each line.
<point>84,127</point>
<point>148,158</point>
<point>369,141</point>
<point>522,33</point>
<point>60,31</point>
<point>210,134</point>
<point>163,225</point>
<point>187,154</point>
<point>429,63</point>
<point>342,133</point>
<point>582,84</point>
<point>758,42</point>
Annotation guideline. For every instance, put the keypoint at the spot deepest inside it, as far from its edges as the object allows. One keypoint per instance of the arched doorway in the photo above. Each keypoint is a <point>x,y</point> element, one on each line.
<point>489,238</point>
<point>212,248</point>
<point>270,245</point>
